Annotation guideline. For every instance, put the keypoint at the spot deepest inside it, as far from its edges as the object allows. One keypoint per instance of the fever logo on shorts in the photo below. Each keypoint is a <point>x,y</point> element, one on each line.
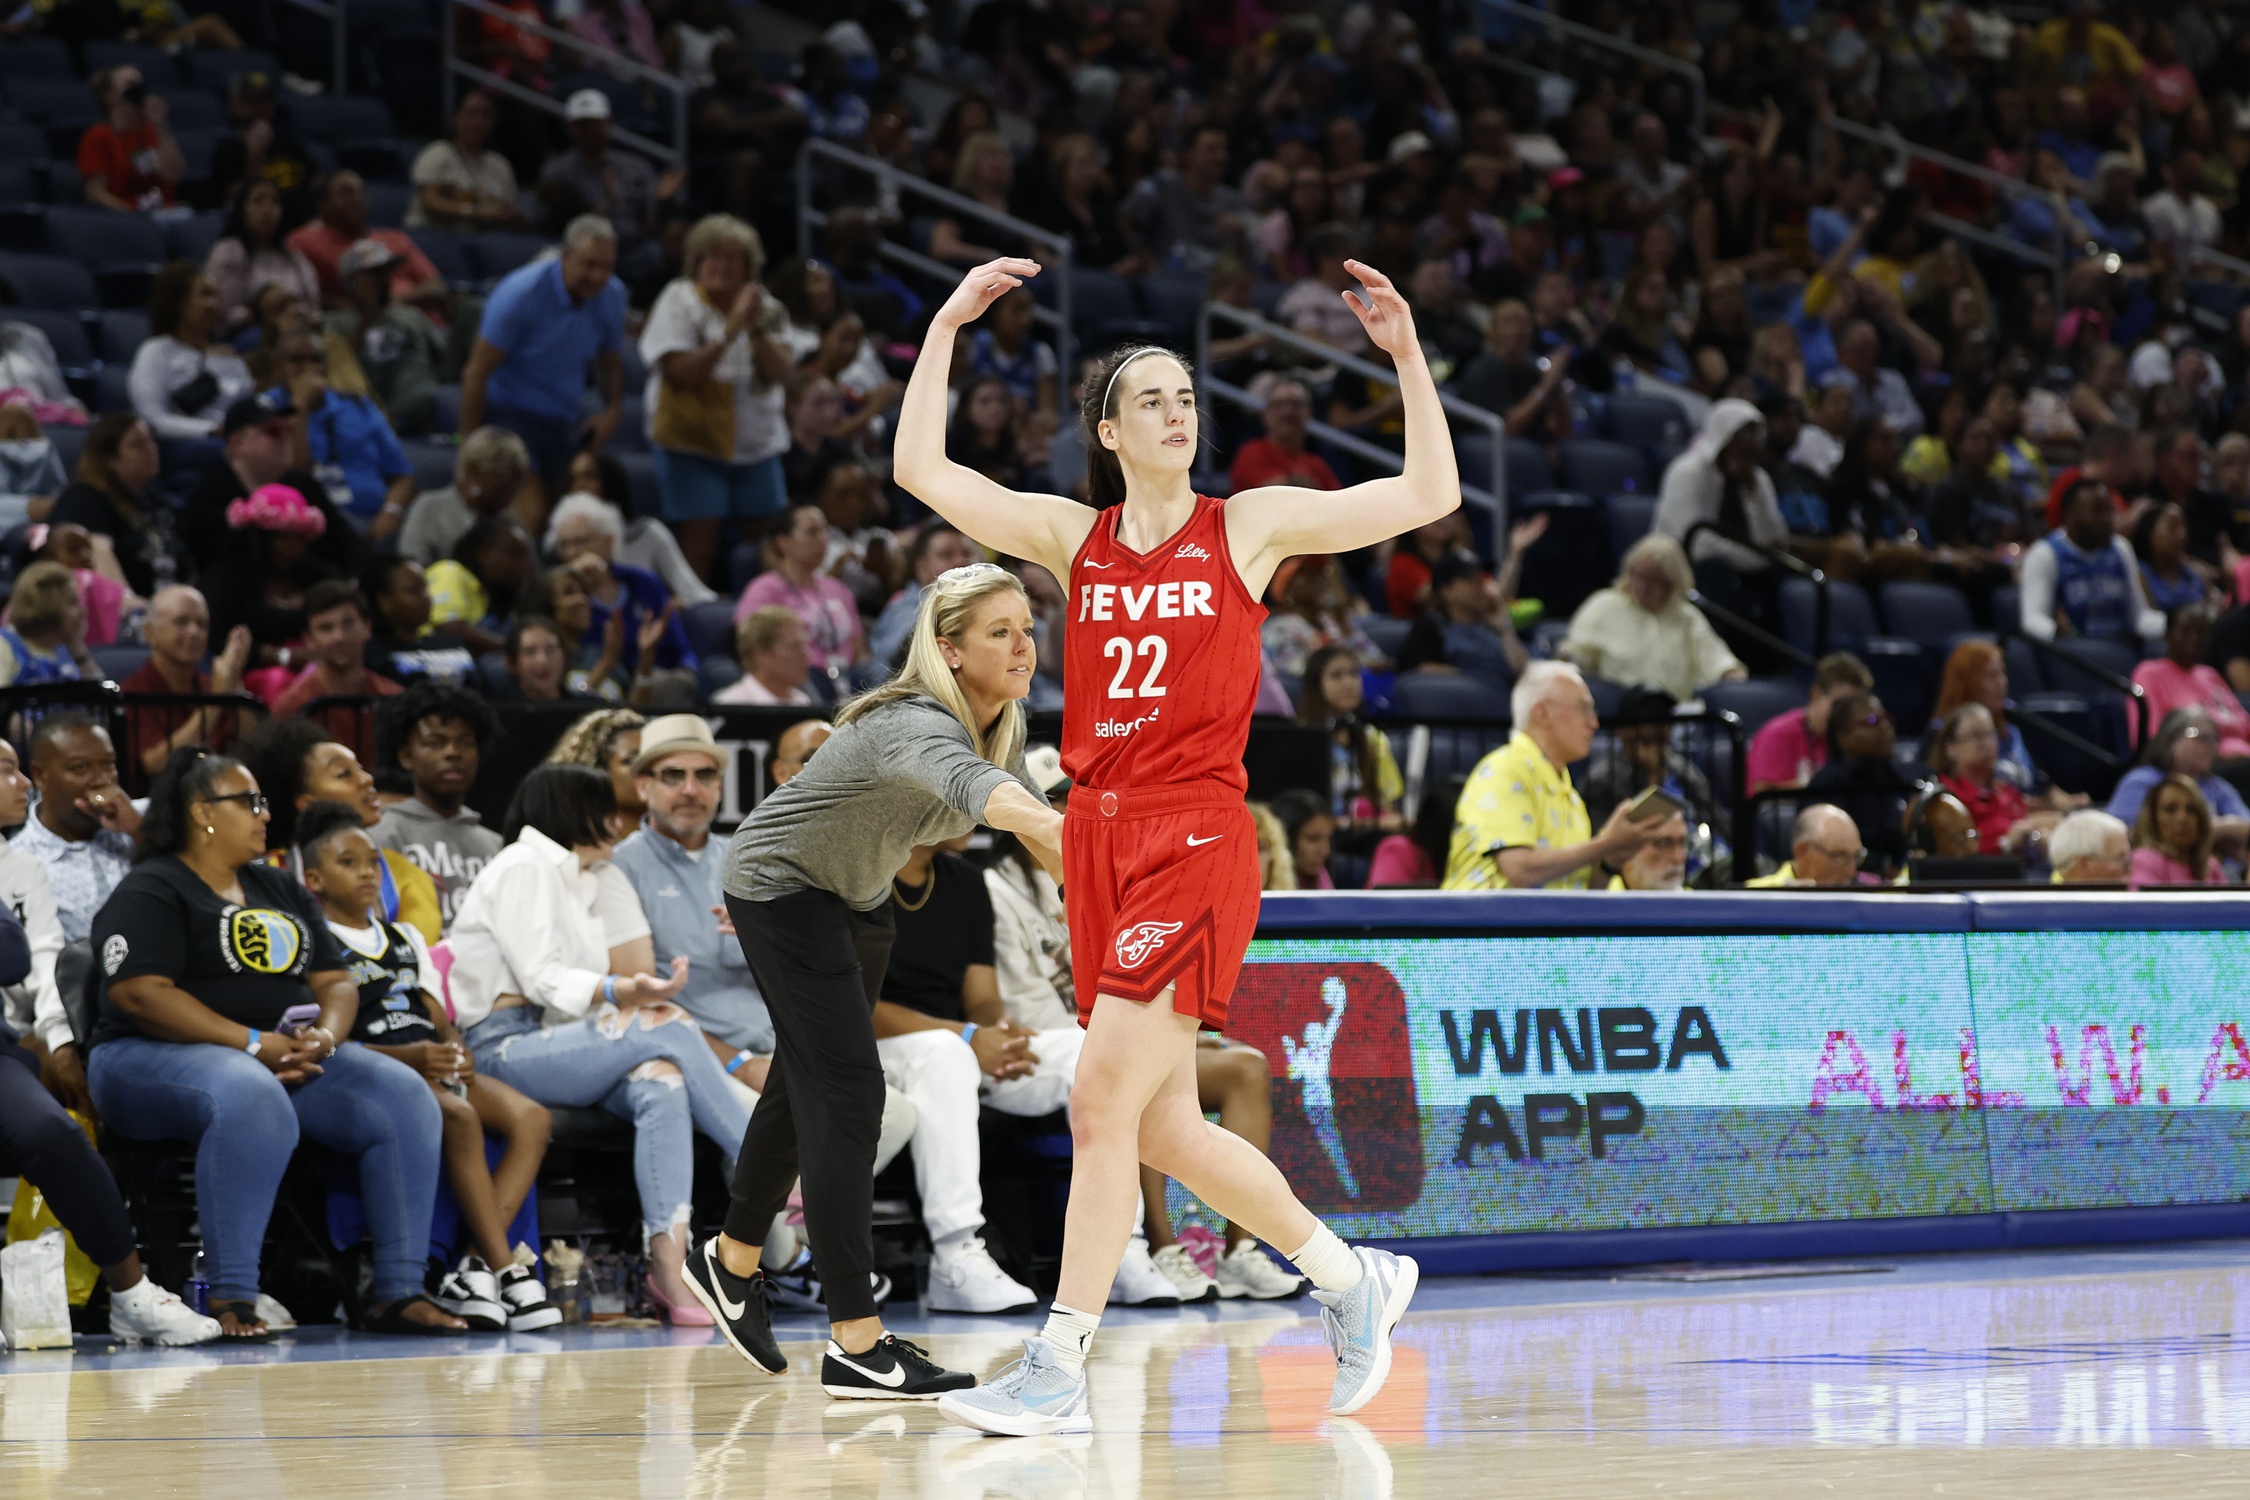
<point>1347,1130</point>
<point>1137,942</point>
<point>263,941</point>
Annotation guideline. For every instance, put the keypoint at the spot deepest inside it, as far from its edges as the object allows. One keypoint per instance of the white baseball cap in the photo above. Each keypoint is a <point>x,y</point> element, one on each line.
<point>587,104</point>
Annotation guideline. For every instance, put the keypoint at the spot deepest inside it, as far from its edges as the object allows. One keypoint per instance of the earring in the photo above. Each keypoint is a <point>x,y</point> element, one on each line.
<point>209,831</point>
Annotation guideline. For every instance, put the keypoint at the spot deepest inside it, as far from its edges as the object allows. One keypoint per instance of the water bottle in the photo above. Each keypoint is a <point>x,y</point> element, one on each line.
<point>197,1293</point>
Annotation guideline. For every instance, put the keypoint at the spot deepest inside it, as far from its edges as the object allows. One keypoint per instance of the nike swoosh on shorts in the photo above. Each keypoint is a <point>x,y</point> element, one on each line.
<point>1196,843</point>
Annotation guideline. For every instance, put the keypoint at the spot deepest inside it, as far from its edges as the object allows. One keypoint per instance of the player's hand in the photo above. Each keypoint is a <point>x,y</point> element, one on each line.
<point>984,286</point>
<point>1382,312</point>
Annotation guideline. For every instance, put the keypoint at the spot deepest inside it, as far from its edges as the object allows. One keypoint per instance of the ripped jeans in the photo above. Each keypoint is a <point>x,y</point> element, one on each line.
<point>661,1077</point>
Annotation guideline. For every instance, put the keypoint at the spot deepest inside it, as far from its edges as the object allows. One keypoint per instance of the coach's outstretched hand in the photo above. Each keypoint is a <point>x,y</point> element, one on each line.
<point>1381,311</point>
<point>984,286</point>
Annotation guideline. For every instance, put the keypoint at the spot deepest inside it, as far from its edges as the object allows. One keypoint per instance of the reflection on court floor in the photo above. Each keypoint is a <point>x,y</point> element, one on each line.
<point>2048,1375</point>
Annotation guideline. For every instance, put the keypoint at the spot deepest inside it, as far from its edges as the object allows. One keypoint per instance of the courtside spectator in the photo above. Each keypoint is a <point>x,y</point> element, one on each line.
<point>436,735</point>
<point>1277,871</point>
<point>1661,864</point>
<point>488,473</point>
<point>535,999</point>
<point>796,746</point>
<point>1364,781</point>
<point>1520,824</point>
<point>129,159</point>
<point>2091,848</point>
<point>1824,850</point>
<point>833,633</point>
<point>936,548</point>
<point>2172,837</point>
<point>178,632</point>
<point>2082,579</point>
<point>1861,778</point>
<point>1281,457</point>
<point>44,636</point>
<point>1789,747</point>
<point>2186,742</point>
<point>113,497</point>
<point>1416,858</point>
<point>205,948</point>
<point>609,740</point>
<point>770,644</point>
<point>251,256</point>
<point>342,223</point>
<point>297,763</point>
<point>1977,672</point>
<point>185,379</point>
<point>1640,755</point>
<point>1311,832</point>
<point>1965,753</point>
<point>547,325</point>
<point>1641,631</point>
<point>83,827</point>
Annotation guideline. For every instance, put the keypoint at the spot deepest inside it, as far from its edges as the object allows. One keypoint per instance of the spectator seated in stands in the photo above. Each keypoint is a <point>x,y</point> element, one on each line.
<point>941,990</point>
<point>43,638</point>
<point>2172,837</point>
<point>1310,830</point>
<point>1006,350</point>
<point>299,762</point>
<point>2186,742</point>
<point>1467,627</point>
<point>542,1012</point>
<point>863,554</point>
<point>1520,824</point>
<point>1643,631</point>
<point>83,828</point>
<point>1184,218</point>
<point>436,736</point>
<point>474,590</point>
<point>399,1018</point>
<point>1640,755</point>
<point>2182,678</point>
<point>1314,306</point>
<point>92,565</point>
<point>649,544</point>
<point>400,351</point>
<point>266,579</point>
<point>353,449</point>
<point>488,473</point>
<point>2169,578</point>
<point>205,948</point>
<point>1315,608</point>
<point>584,536</point>
<point>30,374</point>
<point>459,183</point>
<point>2091,848</point>
<point>594,178</point>
<point>538,664</point>
<point>546,325</point>
<point>1510,378</point>
<point>185,379</point>
<point>1977,672</point>
<point>609,740</point>
<point>342,223</point>
<point>2082,579</point>
<point>717,369</point>
<point>936,548</point>
<point>770,643</point>
<point>1719,481</point>
<point>1661,864</point>
<point>251,255</point>
<point>402,645</point>
<point>1824,850</point>
<point>1281,457</point>
<point>178,632</point>
<point>1415,859</point>
<point>983,434</point>
<point>255,149</point>
<point>129,159</point>
<point>1964,750</point>
<point>1862,779</point>
<point>1406,578</point>
<point>337,630</point>
<point>1364,780</point>
<point>797,582</point>
<point>112,497</point>
<point>814,409</point>
<point>261,437</point>
<point>1789,747</point>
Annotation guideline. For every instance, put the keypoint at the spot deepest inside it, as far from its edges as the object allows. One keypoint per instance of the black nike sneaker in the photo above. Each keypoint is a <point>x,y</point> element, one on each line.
<point>738,1303</point>
<point>893,1370</point>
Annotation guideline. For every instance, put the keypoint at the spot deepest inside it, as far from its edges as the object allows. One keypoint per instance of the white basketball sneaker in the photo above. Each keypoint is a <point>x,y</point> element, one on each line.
<point>1247,1271</point>
<point>145,1313</point>
<point>964,1278</point>
<point>1139,1283</point>
<point>1187,1278</point>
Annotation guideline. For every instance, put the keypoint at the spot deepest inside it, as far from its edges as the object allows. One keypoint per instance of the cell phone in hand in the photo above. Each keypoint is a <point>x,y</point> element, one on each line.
<point>296,1018</point>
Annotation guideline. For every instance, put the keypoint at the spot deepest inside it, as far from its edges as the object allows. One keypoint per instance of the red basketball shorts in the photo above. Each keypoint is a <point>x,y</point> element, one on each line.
<point>1162,889</point>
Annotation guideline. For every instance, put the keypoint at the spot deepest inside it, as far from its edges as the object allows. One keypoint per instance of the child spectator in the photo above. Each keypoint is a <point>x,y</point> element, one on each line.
<point>1310,831</point>
<point>436,736</point>
<point>1364,781</point>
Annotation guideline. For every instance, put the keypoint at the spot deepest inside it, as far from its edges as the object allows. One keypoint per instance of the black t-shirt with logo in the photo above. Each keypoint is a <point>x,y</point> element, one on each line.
<point>938,940</point>
<point>246,960</point>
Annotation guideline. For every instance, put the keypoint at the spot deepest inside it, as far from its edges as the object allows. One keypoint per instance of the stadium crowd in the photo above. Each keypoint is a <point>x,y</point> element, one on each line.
<point>1924,455</point>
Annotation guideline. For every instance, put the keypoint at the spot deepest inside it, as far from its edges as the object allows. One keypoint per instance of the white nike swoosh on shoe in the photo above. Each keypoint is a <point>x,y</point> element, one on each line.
<point>890,1381</point>
<point>1196,843</point>
<point>731,1310</point>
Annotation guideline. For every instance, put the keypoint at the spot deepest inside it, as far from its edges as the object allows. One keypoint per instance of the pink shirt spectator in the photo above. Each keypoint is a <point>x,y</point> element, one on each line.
<point>1400,861</point>
<point>637,41</point>
<point>833,636</point>
<point>104,599</point>
<point>1785,752</point>
<point>2170,686</point>
<point>2155,867</point>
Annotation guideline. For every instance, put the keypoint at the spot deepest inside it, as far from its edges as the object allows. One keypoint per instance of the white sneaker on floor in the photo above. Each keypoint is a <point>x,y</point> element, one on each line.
<point>526,1301</point>
<point>1187,1278</point>
<point>145,1313</point>
<point>278,1319</point>
<point>964,1278</point>
<point>1139,1283</point>
<point>472,1293</point>
<point>1247,1271</point>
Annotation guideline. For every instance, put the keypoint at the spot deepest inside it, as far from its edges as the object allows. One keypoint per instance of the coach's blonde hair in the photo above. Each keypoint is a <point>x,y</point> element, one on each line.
<point>948,605</point>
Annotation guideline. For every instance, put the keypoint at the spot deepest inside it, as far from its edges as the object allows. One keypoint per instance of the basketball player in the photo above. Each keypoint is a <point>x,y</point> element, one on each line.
<point>1161,671</point>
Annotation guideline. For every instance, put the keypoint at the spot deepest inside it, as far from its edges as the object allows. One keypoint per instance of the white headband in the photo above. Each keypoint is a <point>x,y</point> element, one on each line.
<point>1112,386</point>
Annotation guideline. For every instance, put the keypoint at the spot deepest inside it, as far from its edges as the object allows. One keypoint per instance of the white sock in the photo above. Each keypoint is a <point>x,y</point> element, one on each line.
<point>1328,1262</point>
<point>1070,1334</point>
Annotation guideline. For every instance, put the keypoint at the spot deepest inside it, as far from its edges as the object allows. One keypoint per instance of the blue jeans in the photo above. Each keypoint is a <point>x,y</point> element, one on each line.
<point>605,1060</point>
<point>244,1123</point>
<point>551,441</point>
<point>695,488</point>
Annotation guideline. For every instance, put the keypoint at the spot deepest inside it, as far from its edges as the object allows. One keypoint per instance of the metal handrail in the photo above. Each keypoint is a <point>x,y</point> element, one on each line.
<point>610,61</point>
<point>1788,562</point>
<point>1462,412</point>
<point>339,41</point>
<point>2230,263</point>
<point>1599,38</point>
<point>1719,614</point>
<point>899,180</point>
<point>2123,686</point>
<point>2056,257</point>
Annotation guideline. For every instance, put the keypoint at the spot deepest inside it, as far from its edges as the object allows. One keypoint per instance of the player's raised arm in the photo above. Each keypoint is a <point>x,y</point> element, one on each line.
<point>1279,521</point>
<point>1045,529</point>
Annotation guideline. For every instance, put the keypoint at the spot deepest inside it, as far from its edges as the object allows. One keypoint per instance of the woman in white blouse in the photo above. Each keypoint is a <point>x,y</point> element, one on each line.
<point>184,379</point>
<point>536,1001</point>
<point>1642,631</point>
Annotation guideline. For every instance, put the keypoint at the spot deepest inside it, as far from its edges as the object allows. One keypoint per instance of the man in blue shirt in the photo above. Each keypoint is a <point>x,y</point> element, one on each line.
<point>544,326</point>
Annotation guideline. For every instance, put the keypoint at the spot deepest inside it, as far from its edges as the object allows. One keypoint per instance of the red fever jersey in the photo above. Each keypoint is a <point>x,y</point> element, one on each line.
<point>1161,666</point>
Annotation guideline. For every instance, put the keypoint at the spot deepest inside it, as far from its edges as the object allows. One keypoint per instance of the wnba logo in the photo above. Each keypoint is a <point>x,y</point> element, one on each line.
<point>1136,943</point>
<point>1347,1129</point>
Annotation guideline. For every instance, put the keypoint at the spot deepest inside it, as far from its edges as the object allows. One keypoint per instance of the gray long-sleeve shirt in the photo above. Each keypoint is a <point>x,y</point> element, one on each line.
<point>904,775</point>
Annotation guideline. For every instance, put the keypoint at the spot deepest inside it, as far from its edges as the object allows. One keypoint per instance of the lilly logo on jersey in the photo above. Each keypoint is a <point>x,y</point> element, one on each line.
<point>1137,942</point>
<point>1189,549</point>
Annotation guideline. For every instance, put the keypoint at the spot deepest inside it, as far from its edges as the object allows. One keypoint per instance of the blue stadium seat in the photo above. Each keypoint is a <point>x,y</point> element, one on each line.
<point>1527,465</point>
<point>63,182</point>
<point>157,67</point>
<point>433,463</point>
<point>2007,610</point>
<point>1901,681</point>
<point>640,474</point>
<point>632,424</point>
<point>1448,695</point>
<point>742,566</point>
<point>197,149</point>
<point>69,440</point>
<point>2026,674</point>
<point>1932,614</point>
<point>23,218</point>
<point>20,142</point>
<point>2072,768</point>
<point>715,672</point>
<point>710,628</point>
<point>49,281</point>
<point>1630,518</point>
<point>1456,749</point>
<point>497,252</point>
<point>111,392</point>
<point>36,57</point>
<point>193,111</point>
<point>192,238</point>
<point>2108,656</point>
<point>1389,635</point>
<point>104,238</point>
<point>1598,467</point>
<point>1754,701</point>
<point>120,662</point>
<point>1102,305</point>
<point>124,330</point>
<point>387,203</point>
<point>327,117</point>
<point>214,71</point>
<point>54,99</point>
<point>448,252</point>
<point>1650,423</point>
<point>1173,299</point>
<point>64,330</point>
<point>445,409</point>
<point>1851,617</point>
